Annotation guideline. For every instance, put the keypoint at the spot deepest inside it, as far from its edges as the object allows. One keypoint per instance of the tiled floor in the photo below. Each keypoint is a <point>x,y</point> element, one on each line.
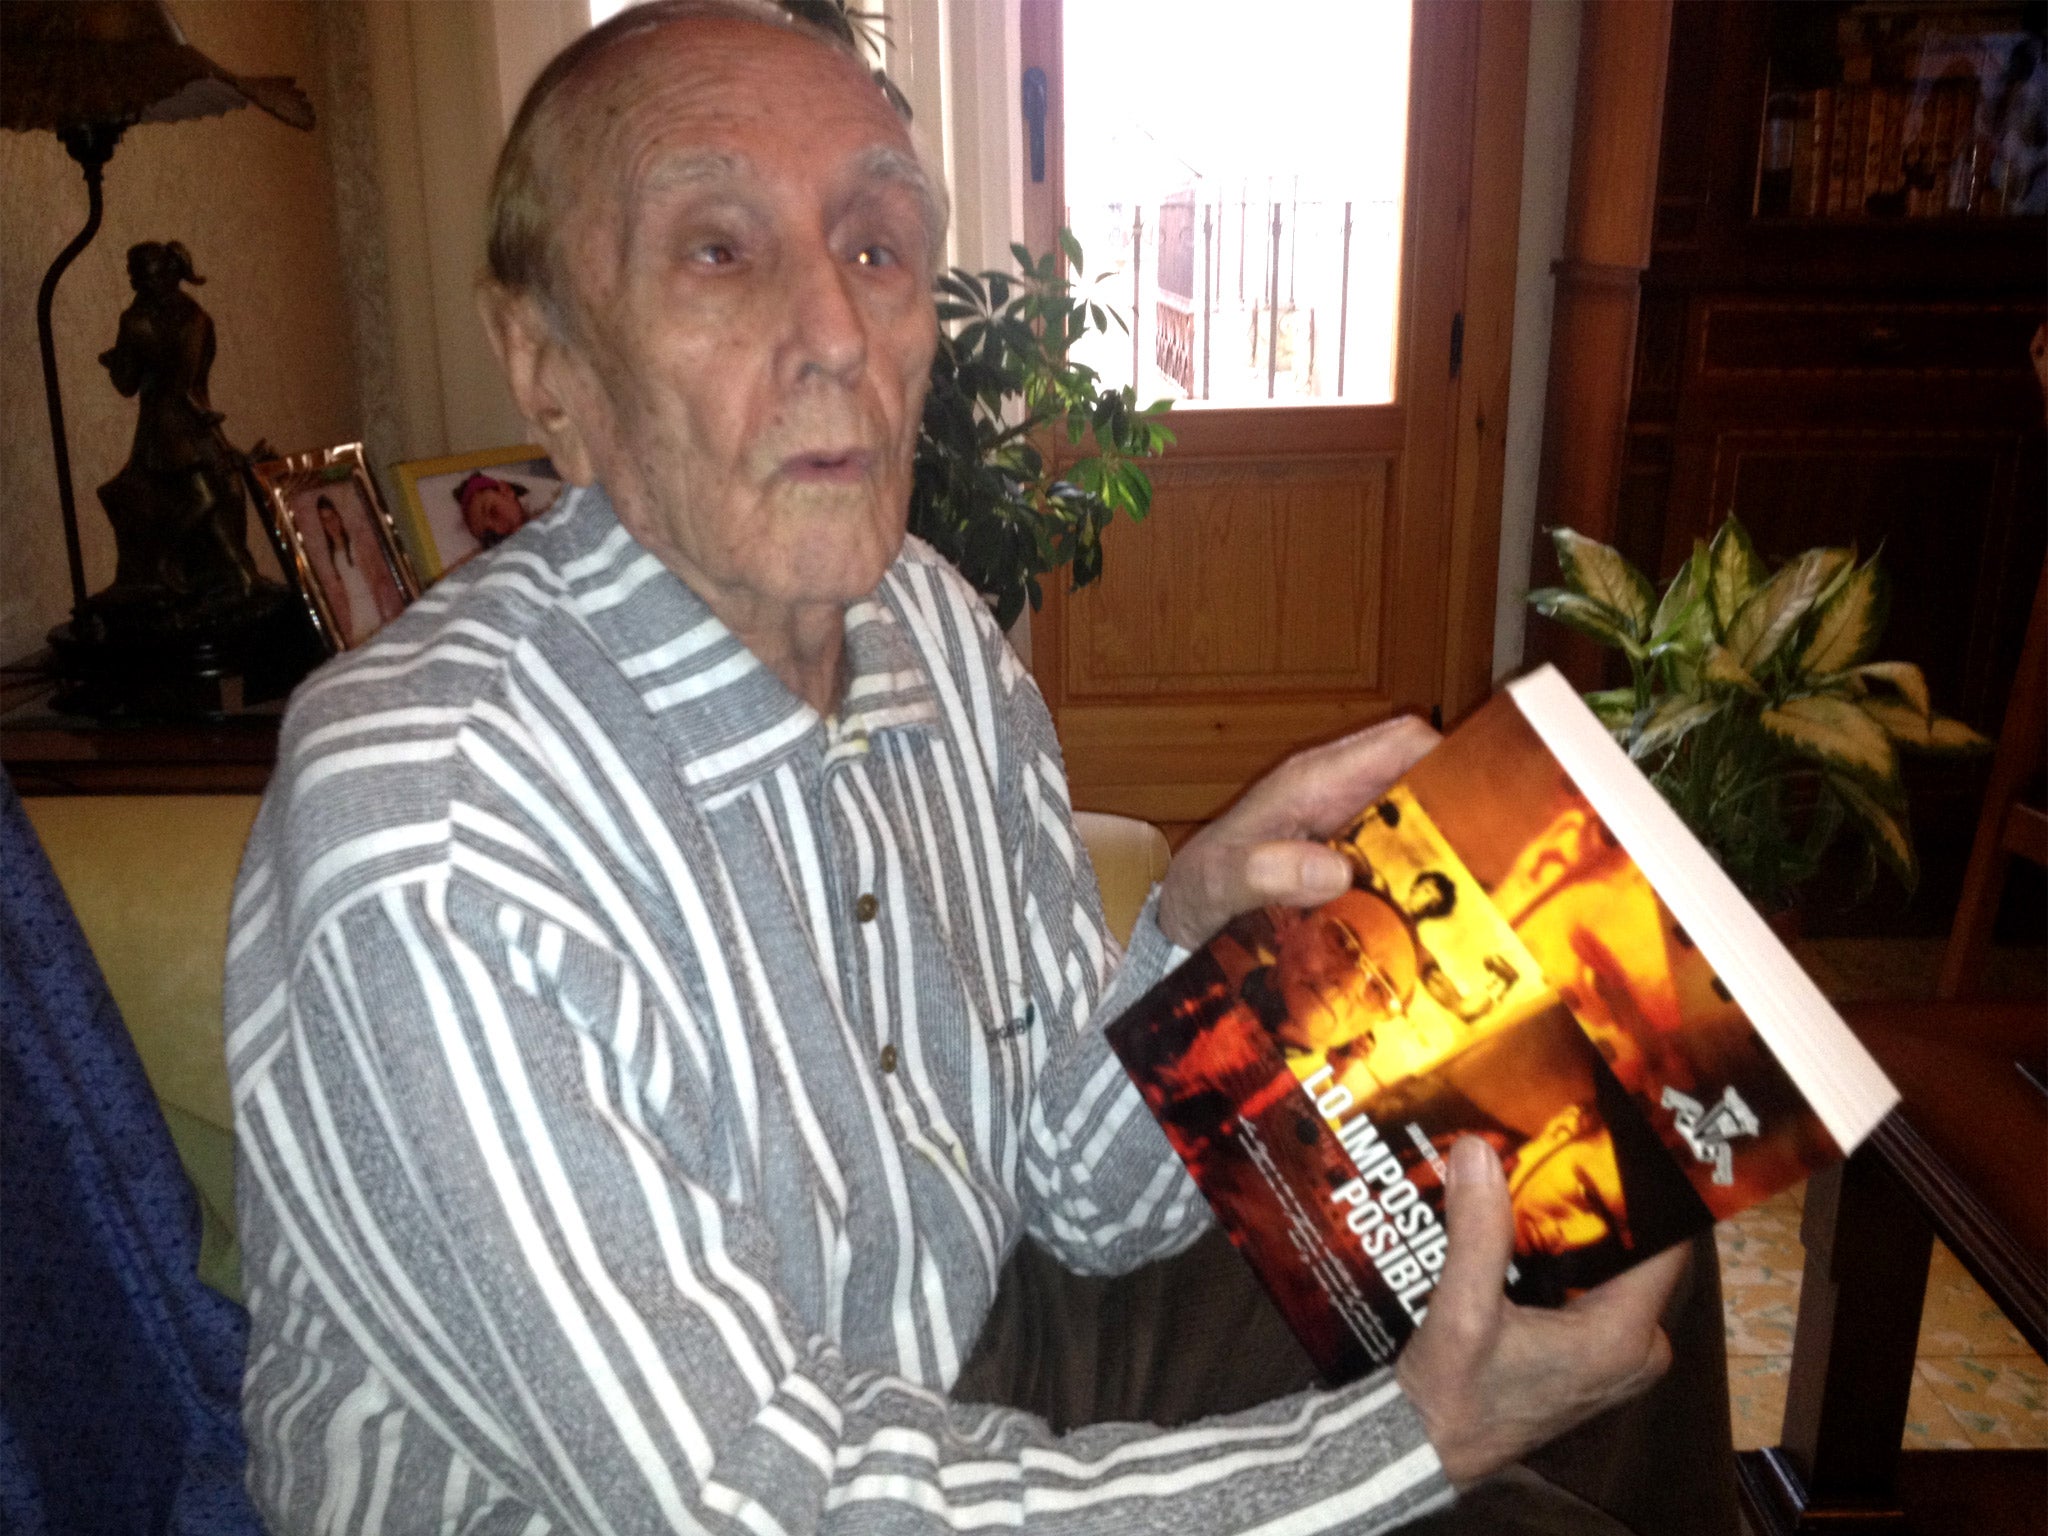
<point>1976,1383</point>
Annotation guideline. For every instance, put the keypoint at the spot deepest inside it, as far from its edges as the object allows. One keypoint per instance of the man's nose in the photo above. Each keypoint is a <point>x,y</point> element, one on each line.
<point>828,328</point>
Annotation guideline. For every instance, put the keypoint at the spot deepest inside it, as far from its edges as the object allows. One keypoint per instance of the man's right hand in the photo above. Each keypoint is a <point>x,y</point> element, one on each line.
<point>1492,1380</point>
<point>1266,850</point>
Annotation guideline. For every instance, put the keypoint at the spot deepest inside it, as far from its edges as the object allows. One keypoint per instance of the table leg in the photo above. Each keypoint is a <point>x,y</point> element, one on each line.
<point>1867,1249</point>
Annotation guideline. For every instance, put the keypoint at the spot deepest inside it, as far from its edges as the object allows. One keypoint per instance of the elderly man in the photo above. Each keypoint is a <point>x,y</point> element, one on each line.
<point>665,981</point>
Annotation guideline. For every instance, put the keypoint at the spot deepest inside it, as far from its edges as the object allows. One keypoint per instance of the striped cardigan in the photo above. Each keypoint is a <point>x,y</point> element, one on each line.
<point>640,1081</point>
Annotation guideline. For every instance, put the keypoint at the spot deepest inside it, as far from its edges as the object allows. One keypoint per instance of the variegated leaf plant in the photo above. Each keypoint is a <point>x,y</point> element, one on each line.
<point>1754,705</point>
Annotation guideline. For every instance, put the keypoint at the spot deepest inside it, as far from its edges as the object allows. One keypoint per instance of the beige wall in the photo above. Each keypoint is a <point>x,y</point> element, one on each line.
<point>252,200</point>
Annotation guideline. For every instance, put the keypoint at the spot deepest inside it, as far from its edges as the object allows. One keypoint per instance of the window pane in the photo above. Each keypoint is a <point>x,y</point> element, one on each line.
<point>1234,175</point>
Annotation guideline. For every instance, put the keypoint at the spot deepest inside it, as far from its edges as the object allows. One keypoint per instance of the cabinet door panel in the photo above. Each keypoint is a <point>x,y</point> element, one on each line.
<point>1939,505</point>
<point>1264,579</point>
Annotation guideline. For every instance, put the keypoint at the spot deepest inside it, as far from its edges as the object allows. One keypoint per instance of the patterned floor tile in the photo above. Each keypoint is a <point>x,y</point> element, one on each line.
<point>1756,1399</point>
<point>1995,1403</point>
<point>1959,1319</point>
<point>1930,1424</point>
<point>1759,1319</point>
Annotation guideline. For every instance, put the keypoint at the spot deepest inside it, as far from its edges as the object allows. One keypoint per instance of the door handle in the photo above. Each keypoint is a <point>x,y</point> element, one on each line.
<point>1034,117</point>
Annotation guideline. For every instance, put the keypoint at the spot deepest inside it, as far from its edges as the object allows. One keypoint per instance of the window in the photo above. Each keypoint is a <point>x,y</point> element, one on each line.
<point>1234,175</point>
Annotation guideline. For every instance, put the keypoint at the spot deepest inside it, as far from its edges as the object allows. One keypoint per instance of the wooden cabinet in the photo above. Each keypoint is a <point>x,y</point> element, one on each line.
<point>1860,377</point>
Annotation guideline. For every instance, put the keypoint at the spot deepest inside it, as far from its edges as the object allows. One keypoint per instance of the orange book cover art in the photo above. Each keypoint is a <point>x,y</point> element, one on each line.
<point>1499,968</point>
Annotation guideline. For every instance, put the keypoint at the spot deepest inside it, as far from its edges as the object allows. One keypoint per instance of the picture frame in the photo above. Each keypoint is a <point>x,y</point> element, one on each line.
<point>348,562</point>
<point>462,504</point>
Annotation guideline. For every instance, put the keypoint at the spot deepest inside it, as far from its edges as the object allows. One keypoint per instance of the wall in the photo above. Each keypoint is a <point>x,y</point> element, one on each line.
<point>253,201</point>
<point>435,86</point>
<point>1546,178</point>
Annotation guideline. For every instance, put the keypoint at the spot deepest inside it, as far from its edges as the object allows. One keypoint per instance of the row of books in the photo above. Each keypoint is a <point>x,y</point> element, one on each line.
<point>1883,151</point>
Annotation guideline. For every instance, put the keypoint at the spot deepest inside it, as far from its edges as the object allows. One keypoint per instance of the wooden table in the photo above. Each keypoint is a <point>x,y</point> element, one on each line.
<point>1964,1157</point>
<point>46,753</point>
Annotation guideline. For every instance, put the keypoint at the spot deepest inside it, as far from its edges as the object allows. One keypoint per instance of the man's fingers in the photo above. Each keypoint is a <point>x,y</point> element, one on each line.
<point>1617,1335</point>
<point>1255,854</point>
<point>1211,883</point>
<point>1317,791</point>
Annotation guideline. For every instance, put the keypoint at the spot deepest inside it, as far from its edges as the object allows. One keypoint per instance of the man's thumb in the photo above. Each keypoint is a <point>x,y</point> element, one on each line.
<point>1481,1221</point>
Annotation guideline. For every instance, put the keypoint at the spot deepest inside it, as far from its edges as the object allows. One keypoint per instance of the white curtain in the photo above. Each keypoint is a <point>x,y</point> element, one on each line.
<point>420,95</point>
<point>957,62</point>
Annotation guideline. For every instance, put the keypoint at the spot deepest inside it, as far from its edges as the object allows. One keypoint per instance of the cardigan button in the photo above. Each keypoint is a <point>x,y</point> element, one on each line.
<point>888,1058</point>
<point>865,908</point>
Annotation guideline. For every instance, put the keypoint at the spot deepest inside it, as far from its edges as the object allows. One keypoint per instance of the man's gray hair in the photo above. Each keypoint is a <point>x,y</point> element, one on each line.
<point>522,251</point>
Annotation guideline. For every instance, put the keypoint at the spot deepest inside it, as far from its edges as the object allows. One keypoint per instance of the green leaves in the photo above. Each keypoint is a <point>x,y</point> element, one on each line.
<point>1588,617</point>
<point>1884,821</point>
<point>1669,722</point>
<point>1769,614</point>
<point>1686,611</point>
<point>1924,733</point>
<point>1847,624</point>
<point>1835,731</point>
<point>1753,704</point>
<point>1733,572</point>
<point>1600,573</point>
<point>988,492</point>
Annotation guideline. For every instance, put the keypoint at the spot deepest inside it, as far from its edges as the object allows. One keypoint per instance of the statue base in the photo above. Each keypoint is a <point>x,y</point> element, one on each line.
<point>123,659</point>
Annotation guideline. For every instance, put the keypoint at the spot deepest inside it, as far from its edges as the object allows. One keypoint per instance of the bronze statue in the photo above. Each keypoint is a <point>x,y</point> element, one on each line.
<point>178,507</point>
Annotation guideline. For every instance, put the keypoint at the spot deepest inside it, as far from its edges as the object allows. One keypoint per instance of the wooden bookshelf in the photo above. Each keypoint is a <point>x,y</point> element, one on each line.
<point>1850,376</point>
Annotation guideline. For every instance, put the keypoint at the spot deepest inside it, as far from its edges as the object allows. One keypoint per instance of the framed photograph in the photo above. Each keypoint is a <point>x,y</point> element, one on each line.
<point>350,566</point>
<point>462,505</point>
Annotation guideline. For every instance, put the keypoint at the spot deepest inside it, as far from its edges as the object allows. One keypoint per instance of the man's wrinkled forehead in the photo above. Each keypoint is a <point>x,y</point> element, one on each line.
<point>676,108</point>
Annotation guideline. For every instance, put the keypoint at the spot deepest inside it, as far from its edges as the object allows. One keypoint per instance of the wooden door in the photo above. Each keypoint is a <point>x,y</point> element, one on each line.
<point>1310,569</point>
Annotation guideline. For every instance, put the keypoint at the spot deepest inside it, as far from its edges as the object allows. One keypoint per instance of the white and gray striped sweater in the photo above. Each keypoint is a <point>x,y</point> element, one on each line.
<point>640,1082</point>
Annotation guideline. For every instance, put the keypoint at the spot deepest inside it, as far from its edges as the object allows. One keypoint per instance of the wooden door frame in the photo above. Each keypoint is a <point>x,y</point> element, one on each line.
<point>1462,202</point>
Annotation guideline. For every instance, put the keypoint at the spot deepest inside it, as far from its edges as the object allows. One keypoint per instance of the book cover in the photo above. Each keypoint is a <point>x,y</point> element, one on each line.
<point>1503,966</point>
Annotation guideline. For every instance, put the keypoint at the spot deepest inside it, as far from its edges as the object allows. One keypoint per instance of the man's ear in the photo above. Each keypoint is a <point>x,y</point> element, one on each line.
<point>541,370</point>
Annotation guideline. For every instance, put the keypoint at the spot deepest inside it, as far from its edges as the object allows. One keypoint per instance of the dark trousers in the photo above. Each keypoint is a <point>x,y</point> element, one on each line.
<point>1195,1335</point>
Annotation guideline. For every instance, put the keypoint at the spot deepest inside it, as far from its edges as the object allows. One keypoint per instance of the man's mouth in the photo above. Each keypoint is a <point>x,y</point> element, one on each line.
<point>830,466</point>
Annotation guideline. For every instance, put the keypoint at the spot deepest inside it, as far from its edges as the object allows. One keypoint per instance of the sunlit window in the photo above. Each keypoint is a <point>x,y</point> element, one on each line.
<point>1234,172</point>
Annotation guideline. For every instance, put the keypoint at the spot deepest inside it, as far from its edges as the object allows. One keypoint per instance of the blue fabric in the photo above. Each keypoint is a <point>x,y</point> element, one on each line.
<point>120,1373</point>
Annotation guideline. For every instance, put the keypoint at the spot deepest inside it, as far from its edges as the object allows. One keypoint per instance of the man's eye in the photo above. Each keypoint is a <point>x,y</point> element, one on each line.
<point>875,256</point>
<point>714,254</point>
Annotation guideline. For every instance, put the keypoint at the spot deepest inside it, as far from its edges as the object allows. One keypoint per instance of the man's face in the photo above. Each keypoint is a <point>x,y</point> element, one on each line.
<point>749,267</point>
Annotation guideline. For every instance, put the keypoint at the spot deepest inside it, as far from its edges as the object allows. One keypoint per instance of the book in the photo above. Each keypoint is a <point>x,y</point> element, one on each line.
<point>1816,202</point>
<point>1845,186</point>
<point>1534,950</point>
<point>1942,148</point>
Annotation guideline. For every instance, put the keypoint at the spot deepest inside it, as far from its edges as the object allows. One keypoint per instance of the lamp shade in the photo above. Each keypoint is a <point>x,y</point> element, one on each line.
<point>65,64</point>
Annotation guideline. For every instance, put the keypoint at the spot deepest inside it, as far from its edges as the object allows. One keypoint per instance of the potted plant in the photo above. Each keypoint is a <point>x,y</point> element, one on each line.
<point>1004,390</point>
<point>1754,705</point>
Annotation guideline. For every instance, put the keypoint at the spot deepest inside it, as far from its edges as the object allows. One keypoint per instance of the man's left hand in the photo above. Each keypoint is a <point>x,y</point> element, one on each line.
<point>1493,1380</point>
<point>1259,852</point>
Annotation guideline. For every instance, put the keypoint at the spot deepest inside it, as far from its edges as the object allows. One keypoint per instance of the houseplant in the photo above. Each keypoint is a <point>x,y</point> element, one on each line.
<point>1753,703</point>
<point>988,493</point>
